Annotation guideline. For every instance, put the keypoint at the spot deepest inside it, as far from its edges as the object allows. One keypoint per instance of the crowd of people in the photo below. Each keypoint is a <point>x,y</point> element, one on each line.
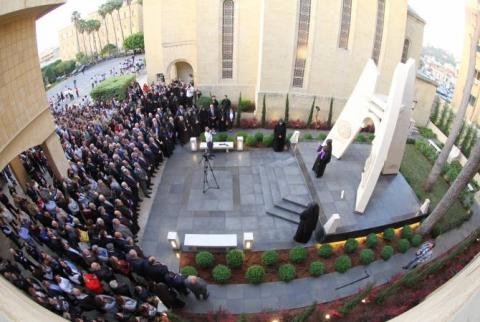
<point>74,246</point>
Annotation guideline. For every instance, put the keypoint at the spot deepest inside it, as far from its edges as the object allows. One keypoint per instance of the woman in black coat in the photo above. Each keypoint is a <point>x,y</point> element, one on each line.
<point>323,158</point>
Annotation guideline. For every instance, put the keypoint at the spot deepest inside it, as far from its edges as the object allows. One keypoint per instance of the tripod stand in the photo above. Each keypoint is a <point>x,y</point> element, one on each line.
<point>206,167</point>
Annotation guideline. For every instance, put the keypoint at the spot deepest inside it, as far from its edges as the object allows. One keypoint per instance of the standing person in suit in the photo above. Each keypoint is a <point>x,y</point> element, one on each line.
<point>212,117</point>
<point>323,158</point>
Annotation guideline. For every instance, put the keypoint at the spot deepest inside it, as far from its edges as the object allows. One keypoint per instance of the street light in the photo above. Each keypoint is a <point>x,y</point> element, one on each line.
<point>173,239</point>
<point>247,241</point>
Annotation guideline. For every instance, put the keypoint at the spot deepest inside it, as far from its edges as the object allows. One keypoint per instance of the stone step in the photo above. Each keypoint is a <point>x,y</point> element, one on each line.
<point>267,193</point>
<point>301,201</point>
<point>290,207</point>
<point>283,214</point>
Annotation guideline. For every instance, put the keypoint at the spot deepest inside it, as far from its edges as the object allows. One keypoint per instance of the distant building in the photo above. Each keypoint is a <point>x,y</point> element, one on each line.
<point>305,49</point>
<point>49,56</point>
<point>69,46</point>
<point>473,110</point>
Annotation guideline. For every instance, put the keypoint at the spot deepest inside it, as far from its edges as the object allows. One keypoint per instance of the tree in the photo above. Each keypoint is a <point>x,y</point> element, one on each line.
<point>467,139</point>
<point>134,42</point>
<point>471,142</point>
<point>459,119</point>
<point>239,110</point>
<point>109,8</point>
<point>108,50</point>
<point>330,114</point>
<point>448,123</point>
<point>82,28</point>
<point>75,18</point>
<point>96,27</point>
<point>435,111</point>
<point>452,194</point>
<point>443,117</point>
<point>129,4</point>
<point>264,112</point>
<point>461,135</point>
<point>117,5</point>
<point>310,115</point>
<point>89,28</point>
<point>103,11</point>
<point>285,119</point>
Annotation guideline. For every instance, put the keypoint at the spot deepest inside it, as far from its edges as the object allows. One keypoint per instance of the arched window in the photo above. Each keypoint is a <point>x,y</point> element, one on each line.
<point>345,24</point>
<point>377,44</point>
<point>406,44</point>
<point>227,39</point>
<point>302,43</point>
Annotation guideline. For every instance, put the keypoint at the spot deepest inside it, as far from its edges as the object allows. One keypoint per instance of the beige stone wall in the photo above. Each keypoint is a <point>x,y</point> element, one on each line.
<point>25,119</point>
<point>425,92</point>
<point>68,38</point>
<point>265,45</point>
<point>414,33</point>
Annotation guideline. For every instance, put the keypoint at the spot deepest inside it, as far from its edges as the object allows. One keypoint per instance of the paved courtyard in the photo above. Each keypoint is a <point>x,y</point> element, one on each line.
<point>249,182</point>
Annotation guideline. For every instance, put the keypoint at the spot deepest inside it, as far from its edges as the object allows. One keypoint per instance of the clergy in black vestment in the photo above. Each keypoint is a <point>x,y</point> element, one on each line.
<point>323,158</point>
<point>279,134</point>
<point>308,222</point>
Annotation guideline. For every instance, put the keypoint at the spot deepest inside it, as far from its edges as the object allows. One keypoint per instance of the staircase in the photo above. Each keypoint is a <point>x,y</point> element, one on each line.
<point>280,201</point>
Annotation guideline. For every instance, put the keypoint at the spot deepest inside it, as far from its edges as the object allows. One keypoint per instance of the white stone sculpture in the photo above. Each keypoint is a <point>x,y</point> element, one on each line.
<point>294,139</point>
<point>391,118</point>
<point>424,207</point>
<point>332,223</point>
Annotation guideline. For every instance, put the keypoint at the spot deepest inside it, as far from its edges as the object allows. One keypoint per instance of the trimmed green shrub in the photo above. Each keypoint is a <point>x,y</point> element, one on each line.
<point>246,106</point>
<point>251,140</point>
<point>189,270</point>
<point>255,274</point>
<point>221,273</point>
<point>403,245</point>
<point>242,134</point>
<point>134,42</point>
<point>389,234</point>
<point>235,258</point>
<point>367,256</point>
<point>407,232</point>
<point>270,258</point>
<point>286,272</point>
<point>307,136</point>
<point>322,136</point>
<point>204,102</point>
<point>370,137</point>
<point>220,137</point>
<point>317,268</point>
<point>343,263</point>
<point>259,137</point>
<point>325,251</point>
<point>350,245</point>
<point>387,252</point>
<point>361,138</point>
<point>204,259</point>
<point>267,140</point>
<point>372,240</point>
<point>202,137</point>
<point>112,88</point>
<point>298,254</point>
<point>416,240</point>
<point>426,133</point>
<point>231,139</point>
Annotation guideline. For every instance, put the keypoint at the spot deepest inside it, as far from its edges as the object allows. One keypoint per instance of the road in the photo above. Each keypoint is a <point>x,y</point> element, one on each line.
<point>84,83</point>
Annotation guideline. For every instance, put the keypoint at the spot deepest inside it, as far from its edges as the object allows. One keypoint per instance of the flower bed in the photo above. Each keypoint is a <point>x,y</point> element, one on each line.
<point>352,252</point>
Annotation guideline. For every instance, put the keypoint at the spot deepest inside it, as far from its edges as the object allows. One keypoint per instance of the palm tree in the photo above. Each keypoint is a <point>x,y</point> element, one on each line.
<point>82,28</point>
<point>117,4</point>
<point>108,6</point>
<point>96,27</point>
<point>89,30</point>
<point>129,4</point>
<point>102,11</point>
<point>452,194</point>
<point>459,119</point>
<point>75,18</point>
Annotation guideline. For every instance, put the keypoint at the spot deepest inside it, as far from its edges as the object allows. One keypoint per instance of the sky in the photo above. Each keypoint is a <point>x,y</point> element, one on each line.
<point>444,28</point>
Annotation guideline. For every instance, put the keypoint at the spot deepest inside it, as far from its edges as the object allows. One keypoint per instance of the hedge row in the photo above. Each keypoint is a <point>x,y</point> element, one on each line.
<point>112,88</point>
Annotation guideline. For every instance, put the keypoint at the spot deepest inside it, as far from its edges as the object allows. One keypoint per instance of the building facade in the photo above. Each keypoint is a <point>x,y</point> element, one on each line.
<point>473,109</point>
<point>25,122</point>
<point>305,49</point>
<point>110,32</point>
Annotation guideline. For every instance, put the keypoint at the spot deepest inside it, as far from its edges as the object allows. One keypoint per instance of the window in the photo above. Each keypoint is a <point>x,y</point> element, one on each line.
<point>377,43</point>
<point>477,74</point>
<point>471,100</point>
<point>345,24</point>
<point>406,44</point>
<point>227,39</point>
<point>302,42</point>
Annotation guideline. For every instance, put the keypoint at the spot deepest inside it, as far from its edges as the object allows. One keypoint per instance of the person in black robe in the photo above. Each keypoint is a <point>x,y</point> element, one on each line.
<point>308,223</point>
<point>279,135</point>
<point>323,158</point>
